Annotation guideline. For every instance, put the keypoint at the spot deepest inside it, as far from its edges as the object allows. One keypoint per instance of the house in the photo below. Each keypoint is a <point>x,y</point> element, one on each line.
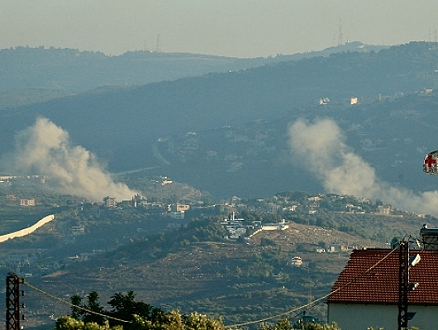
<point>384,209</point>
<point>27,202</point>
<point>179,215</point>
<point>77,230</point>
<point>338,247</point>
<point>366,293</point>
<point>109,201</point>
<point>291,208</point>
<point>182,207</point>
<point>324,101</point>
<point>274,226</point>
<point>166,181</point>
<point>296,261</point>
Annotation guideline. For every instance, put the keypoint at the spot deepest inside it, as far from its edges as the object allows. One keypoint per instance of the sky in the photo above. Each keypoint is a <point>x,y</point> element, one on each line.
<point>238,28</point>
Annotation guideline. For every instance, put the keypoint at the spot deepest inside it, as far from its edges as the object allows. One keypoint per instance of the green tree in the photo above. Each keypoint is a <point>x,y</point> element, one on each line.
<point>125,307</point>
<point>126,313</point>
<point>196,321</point>
<point>75,311</point>
<point>69,323</point>
<point>285,324</point>
<point>94,306</point>
<point>89,313</point>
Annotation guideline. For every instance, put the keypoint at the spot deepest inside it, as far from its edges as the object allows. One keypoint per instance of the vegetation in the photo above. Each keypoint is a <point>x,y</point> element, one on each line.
<point>285,324</point>
<point>394,87</point>
<point>74,70</point>
<point>16,98</point>
<point>128,314</point>
<point>191,265</point>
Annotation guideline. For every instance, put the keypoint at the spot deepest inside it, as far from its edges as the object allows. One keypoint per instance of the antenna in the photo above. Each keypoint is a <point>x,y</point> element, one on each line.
<point>146,46</point>
<point>159,49</point>
<point>340,34</point>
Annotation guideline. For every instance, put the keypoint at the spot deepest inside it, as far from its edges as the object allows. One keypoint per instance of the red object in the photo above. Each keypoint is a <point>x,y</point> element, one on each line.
<point>360,282</point>
<point>429,161</point>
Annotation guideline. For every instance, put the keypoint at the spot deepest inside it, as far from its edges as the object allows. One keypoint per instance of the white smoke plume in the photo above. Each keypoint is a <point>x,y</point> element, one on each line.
<point>320,147</point>
<point>45,149</point>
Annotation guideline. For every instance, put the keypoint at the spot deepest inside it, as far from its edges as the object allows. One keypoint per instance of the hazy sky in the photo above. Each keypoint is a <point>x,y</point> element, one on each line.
<point>243,28</point>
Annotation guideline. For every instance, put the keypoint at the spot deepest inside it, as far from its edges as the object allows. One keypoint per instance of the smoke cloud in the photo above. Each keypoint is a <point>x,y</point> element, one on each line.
<point>320,148</point>
<point>45,149</point>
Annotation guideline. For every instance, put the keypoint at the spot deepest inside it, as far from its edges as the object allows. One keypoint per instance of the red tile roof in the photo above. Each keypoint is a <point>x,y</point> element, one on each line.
<point>360,282</point>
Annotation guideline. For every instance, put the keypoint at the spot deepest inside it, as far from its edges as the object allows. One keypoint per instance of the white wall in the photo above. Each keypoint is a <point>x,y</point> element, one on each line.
<point>28,230</point>
<point>363,316</point>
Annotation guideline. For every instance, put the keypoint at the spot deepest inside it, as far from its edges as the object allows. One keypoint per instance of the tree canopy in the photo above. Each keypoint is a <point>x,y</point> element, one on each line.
<point>127,313</point>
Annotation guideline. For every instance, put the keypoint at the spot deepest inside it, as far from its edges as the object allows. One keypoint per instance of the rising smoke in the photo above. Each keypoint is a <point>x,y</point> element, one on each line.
<point>44,149</point>
<point>320,147</point>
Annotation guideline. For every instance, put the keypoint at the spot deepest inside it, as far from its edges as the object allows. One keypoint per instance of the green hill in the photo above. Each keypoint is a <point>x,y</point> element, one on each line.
<point>188,264</point>
<point>124,126</point>
<point>76,71</point>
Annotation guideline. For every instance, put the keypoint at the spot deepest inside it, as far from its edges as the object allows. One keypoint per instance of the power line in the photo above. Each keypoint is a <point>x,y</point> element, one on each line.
<point>72,305</point>
<point>314,302</point>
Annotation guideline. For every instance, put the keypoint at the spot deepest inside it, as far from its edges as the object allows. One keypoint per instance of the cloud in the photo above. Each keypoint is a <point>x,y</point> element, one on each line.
<point>321,149</point>
<point>45,149</point>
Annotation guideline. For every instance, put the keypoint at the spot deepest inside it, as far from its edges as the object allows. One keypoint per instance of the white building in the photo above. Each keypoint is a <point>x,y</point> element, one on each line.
<point>366,293</point>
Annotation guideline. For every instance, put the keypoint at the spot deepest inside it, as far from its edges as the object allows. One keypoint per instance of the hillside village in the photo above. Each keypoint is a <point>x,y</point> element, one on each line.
<point>242,221</point>
<point>271,252</point>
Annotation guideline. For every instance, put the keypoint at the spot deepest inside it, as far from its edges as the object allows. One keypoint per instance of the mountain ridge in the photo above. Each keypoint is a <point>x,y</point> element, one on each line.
<point>76,71</point>
<point>130,121</point>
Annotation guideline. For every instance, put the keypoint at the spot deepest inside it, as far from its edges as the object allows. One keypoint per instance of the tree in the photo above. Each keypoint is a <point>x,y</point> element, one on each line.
<point>91,312</point>
<point>285,324</point>
<point>69,323</point>
<point>94,306</point>
<point>196,321</point>
<point>125,307</point>
<point>129,314</point>
<point>75,311</point>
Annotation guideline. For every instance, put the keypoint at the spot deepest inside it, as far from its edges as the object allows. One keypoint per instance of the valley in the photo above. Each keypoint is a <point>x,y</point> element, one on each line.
<point>190,264</point>
<point>237,188</point>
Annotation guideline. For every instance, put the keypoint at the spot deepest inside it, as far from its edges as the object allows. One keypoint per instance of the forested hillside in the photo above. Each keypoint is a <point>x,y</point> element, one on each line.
<point>194,268</point>
<point>191,264</point>
<point>128,128</point>
<point>75,71</point>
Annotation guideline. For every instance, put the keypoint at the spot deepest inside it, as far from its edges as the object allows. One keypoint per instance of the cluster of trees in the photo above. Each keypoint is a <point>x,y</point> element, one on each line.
<point>158,246</point>
<point>127,313</point>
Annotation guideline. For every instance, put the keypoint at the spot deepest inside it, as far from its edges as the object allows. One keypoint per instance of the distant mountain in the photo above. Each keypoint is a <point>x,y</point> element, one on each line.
<point>227,132</point>
<point>19,97</point>
<point>77,71</point>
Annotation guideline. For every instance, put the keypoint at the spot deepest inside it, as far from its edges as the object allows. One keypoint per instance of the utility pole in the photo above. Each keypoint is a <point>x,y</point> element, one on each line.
<point>340,34</point>
<point>13,302</point>
<point>159,48</point>
<point>403,280</point>
<point>405,263</point>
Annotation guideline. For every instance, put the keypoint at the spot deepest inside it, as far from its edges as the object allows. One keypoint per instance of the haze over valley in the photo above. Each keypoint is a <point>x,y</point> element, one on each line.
<point>217,130</point>
<point>234,181</point>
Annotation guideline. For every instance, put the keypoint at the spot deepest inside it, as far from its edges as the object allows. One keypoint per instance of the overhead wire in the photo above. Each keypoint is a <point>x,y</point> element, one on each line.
<point>295,309</point>
<point>314,302</point>
<point>72,305</point>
